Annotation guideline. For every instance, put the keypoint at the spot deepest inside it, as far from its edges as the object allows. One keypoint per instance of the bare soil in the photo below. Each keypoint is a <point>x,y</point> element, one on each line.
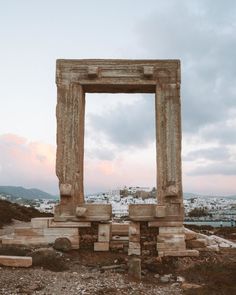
<point>83,272</point>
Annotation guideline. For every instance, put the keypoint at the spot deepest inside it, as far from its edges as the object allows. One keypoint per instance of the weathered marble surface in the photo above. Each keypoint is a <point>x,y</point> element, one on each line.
<point>76,77</point>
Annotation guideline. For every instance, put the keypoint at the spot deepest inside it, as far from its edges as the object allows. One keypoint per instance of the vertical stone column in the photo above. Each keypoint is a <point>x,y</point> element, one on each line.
<point>70,113</point>
<point>168,141</point>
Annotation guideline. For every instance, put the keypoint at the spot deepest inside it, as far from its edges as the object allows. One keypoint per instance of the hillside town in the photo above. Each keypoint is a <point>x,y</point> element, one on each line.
<point>215,208</point>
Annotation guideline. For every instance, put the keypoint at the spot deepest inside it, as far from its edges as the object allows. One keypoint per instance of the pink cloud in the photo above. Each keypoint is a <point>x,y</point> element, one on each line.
<point>25,163</point>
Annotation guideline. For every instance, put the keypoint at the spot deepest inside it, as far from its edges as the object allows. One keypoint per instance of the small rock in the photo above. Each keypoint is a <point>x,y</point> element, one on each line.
<point>165,279</point>
<point>157,276</point>
<point>186,286</point>
<point>180,279</point>
<point>174,285</point>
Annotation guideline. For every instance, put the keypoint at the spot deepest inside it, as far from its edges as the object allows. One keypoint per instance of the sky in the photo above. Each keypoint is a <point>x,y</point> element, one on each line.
<point>120,128</point>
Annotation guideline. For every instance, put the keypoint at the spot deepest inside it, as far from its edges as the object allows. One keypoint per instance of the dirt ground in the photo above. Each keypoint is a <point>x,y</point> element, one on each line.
<point>84,272</point>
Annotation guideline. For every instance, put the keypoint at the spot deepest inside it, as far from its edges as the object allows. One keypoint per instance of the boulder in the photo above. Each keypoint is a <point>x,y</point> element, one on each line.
<point>62,244</point>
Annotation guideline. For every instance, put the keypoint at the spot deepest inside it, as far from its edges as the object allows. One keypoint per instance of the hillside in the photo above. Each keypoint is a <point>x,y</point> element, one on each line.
<point>9,211</point>
<point>21,192</point>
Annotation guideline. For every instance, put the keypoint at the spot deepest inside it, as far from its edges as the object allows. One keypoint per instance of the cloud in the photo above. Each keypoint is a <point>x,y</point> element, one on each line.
<point>125,125</point>
<point>100,152</point>
<point>223,132</point>
<point>202,35</point>
<point>213,153</point>
<point>222,168</point>
<point>30,164</point>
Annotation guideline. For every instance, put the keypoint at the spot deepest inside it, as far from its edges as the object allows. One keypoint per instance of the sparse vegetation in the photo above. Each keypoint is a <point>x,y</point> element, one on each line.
<point>10,211</point>
<point>198,212</point>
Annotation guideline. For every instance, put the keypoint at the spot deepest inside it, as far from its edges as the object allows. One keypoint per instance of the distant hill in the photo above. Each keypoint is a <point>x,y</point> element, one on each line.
<point>21,192</point>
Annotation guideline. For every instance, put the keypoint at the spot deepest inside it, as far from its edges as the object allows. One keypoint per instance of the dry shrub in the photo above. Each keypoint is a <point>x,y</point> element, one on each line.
<point>217,278</point>
<point>9,211</point>
<point>49,259</point>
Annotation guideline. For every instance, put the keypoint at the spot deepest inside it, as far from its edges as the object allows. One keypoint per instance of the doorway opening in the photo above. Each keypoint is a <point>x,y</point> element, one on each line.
<point>120,150</point>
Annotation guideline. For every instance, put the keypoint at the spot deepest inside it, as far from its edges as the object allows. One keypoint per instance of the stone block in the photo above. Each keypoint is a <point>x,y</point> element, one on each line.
<point>120,229</point>
<point>142,212</point>
<point>190,234</point>
<point>134,232</point>
<point>148,71</point>
<point>60,232</point>
<point>92,71</point>
<point>40,222</point>
<point>171,230</point>
<point>97,212</point>
<point>173,238</point>
<point>27,231</point>
<point>171,246</point>
<point>24,240</point>
<point>134,228</point>
<point>198,243</point>
<point>164,224</point>
<point>101,246</point>
<point>160,211</point>
<point>134,268</point>
<point>15,261</point>
<point>104,232</point>
<point>134,245</point>
<point>69,224</point>
<point>132,251</point>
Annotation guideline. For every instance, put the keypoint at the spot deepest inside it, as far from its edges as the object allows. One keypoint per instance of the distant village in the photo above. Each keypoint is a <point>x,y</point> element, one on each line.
<point>197,208</point>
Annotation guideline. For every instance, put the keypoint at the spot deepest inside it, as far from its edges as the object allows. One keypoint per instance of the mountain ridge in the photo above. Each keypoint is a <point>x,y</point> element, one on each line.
<point>25,193</point>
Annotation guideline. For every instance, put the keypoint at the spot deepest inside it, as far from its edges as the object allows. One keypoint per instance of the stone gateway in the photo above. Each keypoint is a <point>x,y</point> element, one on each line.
<point>74,79</point>
<point>151,229</point>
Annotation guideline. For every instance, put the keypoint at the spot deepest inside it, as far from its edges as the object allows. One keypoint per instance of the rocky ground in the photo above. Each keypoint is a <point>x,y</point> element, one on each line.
<point>106,273</point>
<point>86,272</point>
